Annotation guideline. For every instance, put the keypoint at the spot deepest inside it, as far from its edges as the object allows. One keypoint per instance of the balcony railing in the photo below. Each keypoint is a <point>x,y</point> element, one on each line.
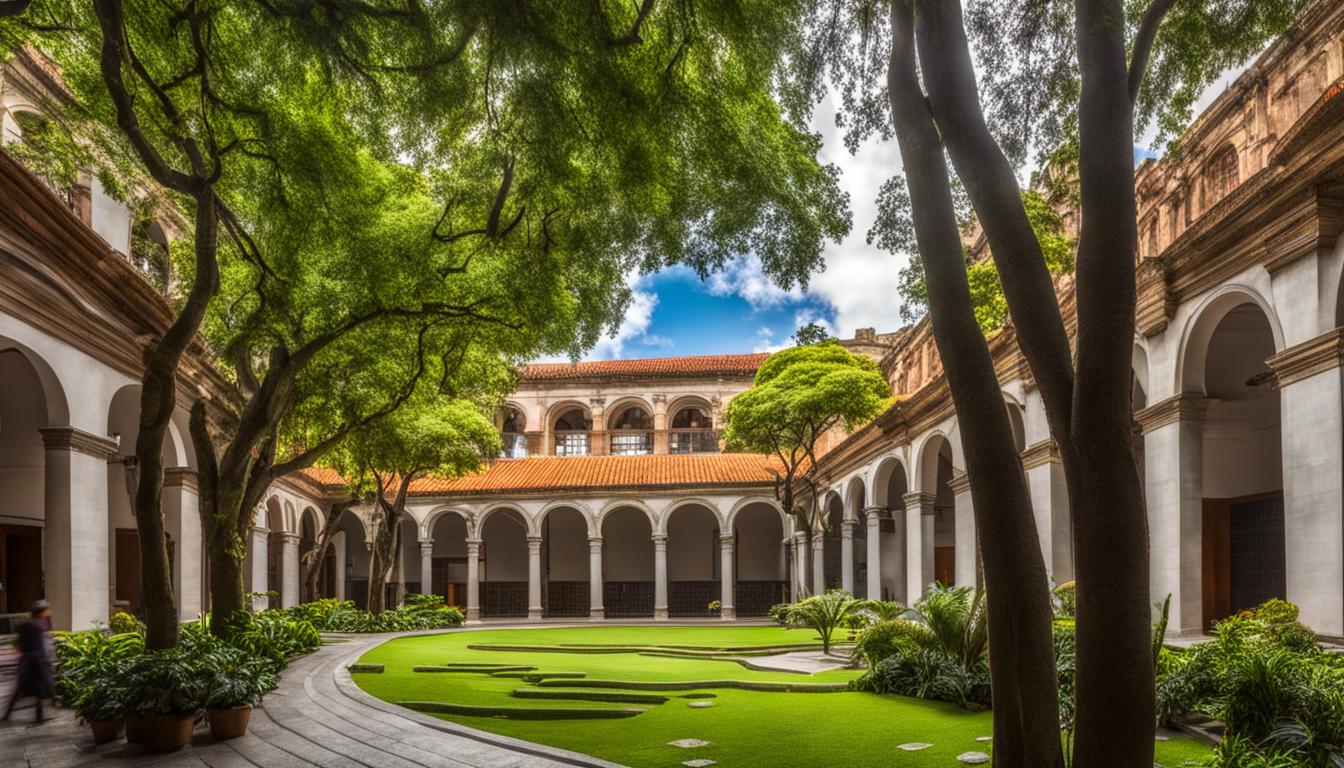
<point>692,441</point>
<point>632,443</point>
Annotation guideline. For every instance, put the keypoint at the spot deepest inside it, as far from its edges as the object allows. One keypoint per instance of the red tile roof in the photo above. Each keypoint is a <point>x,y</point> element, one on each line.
<point>595,473</point>
<point>652,367</point>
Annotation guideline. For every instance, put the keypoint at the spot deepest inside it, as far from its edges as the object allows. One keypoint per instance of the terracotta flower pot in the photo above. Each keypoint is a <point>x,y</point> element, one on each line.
<point>106,730</point>
<point>229,723</point>
<point>135,729</point>
<point>165,733</point>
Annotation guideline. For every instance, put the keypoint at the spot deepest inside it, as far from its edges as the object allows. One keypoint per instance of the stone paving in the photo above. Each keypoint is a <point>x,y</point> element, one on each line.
<point>317,717</point>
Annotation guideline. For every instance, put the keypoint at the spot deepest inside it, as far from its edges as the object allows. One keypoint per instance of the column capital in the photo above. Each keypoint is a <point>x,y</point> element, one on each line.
<point>594,541</point>
<point>426,548</point>
<point>473,547</point>
<point>1302,361</point>
<point>818,537</point>
<point>727,539</point>
<point>76,439</point>
<point>259,530</point>
<point>660,540</point>
<point>1041,453</point>
<point>960,483</point>
<point>533,543</point>
<point>920,499</point>
<point>287,537</point>
<point>180,477</point>
<point>873,513</point>
<point>847,528</point>
<point>1183,407</point>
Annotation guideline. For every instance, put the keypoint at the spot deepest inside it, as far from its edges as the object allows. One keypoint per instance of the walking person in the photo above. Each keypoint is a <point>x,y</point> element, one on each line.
<point>33,646</point>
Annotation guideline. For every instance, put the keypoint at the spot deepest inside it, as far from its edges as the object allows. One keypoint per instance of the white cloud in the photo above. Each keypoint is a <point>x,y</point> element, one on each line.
<point>634,326</point>
<point>765,341</point>
<point>745,277</point>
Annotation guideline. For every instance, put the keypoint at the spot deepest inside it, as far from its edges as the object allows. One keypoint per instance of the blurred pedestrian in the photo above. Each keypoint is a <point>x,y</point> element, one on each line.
<point>34,645</point>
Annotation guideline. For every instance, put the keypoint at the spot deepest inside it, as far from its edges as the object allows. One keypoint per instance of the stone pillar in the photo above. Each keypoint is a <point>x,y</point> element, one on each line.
<point>783,569</point>
<point>874,542</point>
<point>965,568</point>
<point>660,576</point>
<point>289,569</point>
<point>819,563</point>
<point>727,580</point>
<point>847,555</point>
<point>261,549</point>
<point>534,608</point>
<point>427,567</point>
<point>660,438</point>
<point>597,436</point>
<point>918,544</point>
<point>473,580</point>
<point>800,566</point>
<point>182,520</point>
<point>1311,394</point>
<point>338,549</point>
<point>595,610</point>
<point>1173,459</point>
<point>1050,503</point>
<point>75,532</point>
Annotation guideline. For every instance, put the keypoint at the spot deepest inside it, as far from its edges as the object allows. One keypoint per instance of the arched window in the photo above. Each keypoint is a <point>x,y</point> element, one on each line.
<point>512,430</point>
<point>632,432</point>
<point>571,433</point>
<point>44,148</point>
<point>149,253</point>
<point>692,431</point>
<point>1220,176</point>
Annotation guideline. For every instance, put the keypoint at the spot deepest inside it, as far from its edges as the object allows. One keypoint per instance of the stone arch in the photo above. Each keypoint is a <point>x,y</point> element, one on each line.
<point>493,509</point>
<point>688,501</point>
<point>856,492</point>
<point>1199,330</point>
<point>578,506</point>
<point>1141,394</point>
<point>427,525</point>
<point>311,514</point>
<point>889,482</point>
<point>1017,420</point>
<point>56,410</point>
<point>681,402</point>
<point>291,518</point>
<point>926,461</point>
<point>740,504</point>
<point>275,515</point>
<point>577,441</point>
<point>619,406</point>
<point>614,504</point>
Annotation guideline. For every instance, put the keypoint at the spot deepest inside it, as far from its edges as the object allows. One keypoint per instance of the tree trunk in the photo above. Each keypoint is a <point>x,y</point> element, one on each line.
<point>1115,701</point>
<point>1025,697</point>
<point>312,566</point>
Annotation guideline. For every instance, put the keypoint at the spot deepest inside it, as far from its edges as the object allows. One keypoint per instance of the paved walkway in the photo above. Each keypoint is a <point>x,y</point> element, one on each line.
<point>317,717</point>
<point>802,662</point>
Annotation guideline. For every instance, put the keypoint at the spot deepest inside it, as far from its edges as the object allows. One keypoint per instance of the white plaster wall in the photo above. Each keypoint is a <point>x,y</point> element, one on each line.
<point>627,546</point>
<point>565,546</point>
<point>692,545</point>
<point>759,533</point>
<point>110,218</point>
<point>505,540</point>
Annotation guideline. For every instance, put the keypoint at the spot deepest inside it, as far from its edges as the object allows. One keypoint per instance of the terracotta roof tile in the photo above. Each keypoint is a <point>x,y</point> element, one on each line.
<point>652,367</point>
<point>557,473</point>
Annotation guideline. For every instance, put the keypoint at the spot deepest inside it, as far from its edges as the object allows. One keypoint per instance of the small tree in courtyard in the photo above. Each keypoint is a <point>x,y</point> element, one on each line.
<point>825,613</point>
<point>799,395</point>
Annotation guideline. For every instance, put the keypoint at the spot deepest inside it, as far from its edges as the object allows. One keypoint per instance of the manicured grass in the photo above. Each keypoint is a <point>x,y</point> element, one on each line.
<point>748,728</point>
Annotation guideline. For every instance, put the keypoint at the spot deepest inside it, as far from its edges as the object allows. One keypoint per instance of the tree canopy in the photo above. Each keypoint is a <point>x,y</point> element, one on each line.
<point>799,395</point>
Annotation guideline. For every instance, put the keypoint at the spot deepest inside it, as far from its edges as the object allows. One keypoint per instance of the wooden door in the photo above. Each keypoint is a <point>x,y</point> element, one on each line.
<point>944,564</point>
<point>128,569</point>
<point>20,567</point>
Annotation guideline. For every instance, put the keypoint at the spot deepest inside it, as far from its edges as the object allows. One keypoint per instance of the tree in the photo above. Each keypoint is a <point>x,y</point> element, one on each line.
<point>430,435</point>
<point>800,394</point>
<point>1071,79</point>
<point>825,613</point>
<point>812,333</point>
<point>312,560</point>
<point>596,140</point>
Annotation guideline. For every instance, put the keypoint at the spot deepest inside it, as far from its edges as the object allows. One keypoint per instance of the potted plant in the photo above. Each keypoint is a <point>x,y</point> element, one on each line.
<point>97,701</point>
<point>237,683</point>
<point>164,691</point>
<point>89,682</point>
<point>715,606</point>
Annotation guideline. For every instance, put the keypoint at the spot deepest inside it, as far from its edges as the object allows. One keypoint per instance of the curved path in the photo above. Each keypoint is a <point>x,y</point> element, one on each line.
<point>317,717</point>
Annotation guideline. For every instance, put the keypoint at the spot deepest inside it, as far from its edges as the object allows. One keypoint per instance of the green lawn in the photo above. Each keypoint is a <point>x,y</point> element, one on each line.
<point>747,728</point>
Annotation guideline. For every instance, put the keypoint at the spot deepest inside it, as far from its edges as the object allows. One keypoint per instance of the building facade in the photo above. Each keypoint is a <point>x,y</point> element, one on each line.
<point>615,498</point>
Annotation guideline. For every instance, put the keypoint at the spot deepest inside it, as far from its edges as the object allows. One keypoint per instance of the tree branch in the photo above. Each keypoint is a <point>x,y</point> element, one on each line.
<point>1143,44</point>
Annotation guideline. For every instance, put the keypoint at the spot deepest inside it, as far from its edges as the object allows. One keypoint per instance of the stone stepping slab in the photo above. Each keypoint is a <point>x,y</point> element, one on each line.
<point>973,758</point>
<point>914,746</point>
<point>689,743</point>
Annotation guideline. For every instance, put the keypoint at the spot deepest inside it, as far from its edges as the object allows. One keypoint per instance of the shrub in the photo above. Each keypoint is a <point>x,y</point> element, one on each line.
<point>781,613</point>
<point>825,613</point>
<point>1065,600</point>
<point>88,661</point>
<point>928,674</point>
<point>419,612</point>
<point>1276,611</point>
<point>123,623</point>
<point>162,682</point>
<point>234,678</point>
<point>887,638</point>
<point>272,635</point>
<point>883,610</point>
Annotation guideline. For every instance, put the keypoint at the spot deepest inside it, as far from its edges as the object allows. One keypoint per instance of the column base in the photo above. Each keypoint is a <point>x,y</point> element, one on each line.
<point>660,614</point>
<point>534,614</point>
<point>473,614</point>
<point>727,613</point>
<point>597,614</point>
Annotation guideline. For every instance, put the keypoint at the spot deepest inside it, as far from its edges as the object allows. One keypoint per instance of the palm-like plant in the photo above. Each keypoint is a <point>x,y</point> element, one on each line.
<point>955,616</point>
<point>826,612</point>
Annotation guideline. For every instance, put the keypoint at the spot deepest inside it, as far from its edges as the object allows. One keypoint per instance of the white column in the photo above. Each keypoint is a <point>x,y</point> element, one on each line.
<point>182,519</point>
<point>726,577</point>
<point>660,576</point>
<point>1312,407</point>
<point>534,578</point>
<point>427,567</point>
<point>595,610</point>
<point>1050,505</point>
<point>289,569</point>
<point>338,549</point>
<point>1173,459</point>
<point>819,563</point>
<point>874,542</point>
<point>847,555</point>
<point>966,555</point>
<point>261,548</point>
<point>918,544</point>
<point>473,580</point>
<point>801,568</point>
<point>76,529</point>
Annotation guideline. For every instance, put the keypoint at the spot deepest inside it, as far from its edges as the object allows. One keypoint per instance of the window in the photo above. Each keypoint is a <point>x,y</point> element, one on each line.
<point>512,431</point>
<point>571,433</point>
<point>149,254</point>
<point>692,432</point>
<point>632,432</point>
<point>1220,176</point>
